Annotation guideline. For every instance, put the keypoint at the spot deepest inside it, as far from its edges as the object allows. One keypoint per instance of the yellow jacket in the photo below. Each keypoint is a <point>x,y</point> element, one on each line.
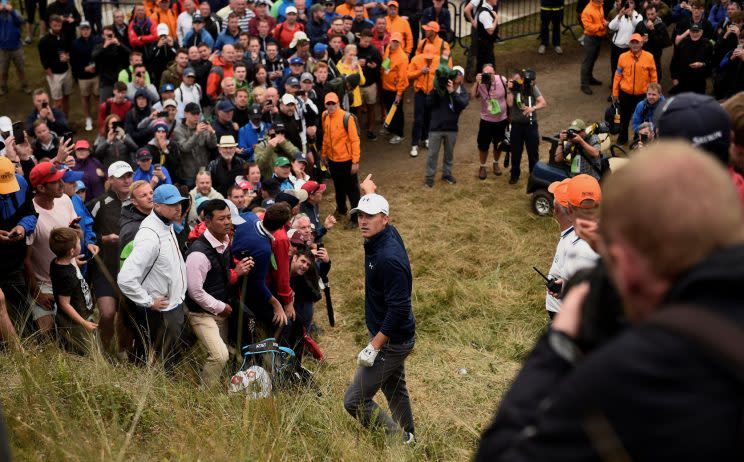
<point>345,70</point>
<point>395,76</point>
<point>634,73</point>
<point>398,24</point>
<point>340,144</point>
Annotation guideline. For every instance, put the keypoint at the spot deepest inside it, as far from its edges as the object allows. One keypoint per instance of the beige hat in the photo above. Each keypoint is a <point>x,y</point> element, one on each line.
<point>227,141</point>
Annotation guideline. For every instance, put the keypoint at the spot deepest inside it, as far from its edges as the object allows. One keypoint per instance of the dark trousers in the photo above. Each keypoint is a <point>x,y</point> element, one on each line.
<point>414,22</point>
<point>345,184</point>
<point>93,14</point>
<point>387,374</point>
<point>615,53</point>
<point>628,104</point>
<point>485,51</point>
<point>13,285</point>
<point>524,136</point>
<point>396,125</point>
<point>657,61</point>
<point>547,18</point>
<point>591,53</point>
<point>421,119</point>
<point>161,331</point>
<point>293,334</point>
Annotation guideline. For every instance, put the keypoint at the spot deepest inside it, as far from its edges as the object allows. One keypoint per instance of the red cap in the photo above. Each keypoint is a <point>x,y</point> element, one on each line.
<point>313,186</point>
<point>82,144</point>
<point>45,172</point>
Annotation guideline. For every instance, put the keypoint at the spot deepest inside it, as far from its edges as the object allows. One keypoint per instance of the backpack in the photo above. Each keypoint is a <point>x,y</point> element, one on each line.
<point>347,116</point>
<point>266,366</point>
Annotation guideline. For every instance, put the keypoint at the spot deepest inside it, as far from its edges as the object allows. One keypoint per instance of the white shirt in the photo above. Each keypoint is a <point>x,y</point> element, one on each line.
<point>624,27</point>
<point>184,25</point>
<point>486,17</point>
<point>571,255</point>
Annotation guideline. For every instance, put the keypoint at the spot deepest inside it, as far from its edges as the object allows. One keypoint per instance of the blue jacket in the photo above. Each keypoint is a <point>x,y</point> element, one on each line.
<point>317,33</point>
<point>252,240</point>
<point>140,174</point>
<point>81,55</point>
<point>10,30</point>
<point>86,221</point>
<point>225,39</point>
<point>717,15</point>
<point>445,109</point>
<point>388,283</point>
<point>16,209</point>
<point>444,20</point>
<point>644,113</point>
<point>204,37</point>
<point>248,136</point>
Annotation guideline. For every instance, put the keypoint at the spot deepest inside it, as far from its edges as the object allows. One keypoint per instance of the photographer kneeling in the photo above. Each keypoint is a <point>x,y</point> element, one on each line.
<point>583,149</point>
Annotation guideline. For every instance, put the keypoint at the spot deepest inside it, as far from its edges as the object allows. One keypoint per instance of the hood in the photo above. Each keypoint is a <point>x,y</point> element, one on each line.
<point>130,214</point>
<point>146,94</point>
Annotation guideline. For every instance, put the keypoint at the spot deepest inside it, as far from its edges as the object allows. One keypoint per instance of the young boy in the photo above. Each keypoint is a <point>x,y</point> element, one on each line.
<point>71,292</point>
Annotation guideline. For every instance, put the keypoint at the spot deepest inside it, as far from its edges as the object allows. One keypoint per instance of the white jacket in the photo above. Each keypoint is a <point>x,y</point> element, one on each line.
<point>624,28</point>
<point>155,268</point>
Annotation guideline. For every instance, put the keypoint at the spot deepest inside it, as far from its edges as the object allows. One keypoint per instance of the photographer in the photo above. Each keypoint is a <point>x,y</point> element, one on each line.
<point>491,90</point>
<point>196,140</point>
<point>644,111</point>
<point>609,404</point>
<point>524,100</point>
<point>646,135</point>
<point>584,150</point>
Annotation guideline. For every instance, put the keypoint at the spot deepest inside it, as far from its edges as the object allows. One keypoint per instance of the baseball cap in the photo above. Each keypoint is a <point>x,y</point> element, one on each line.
<point>636,37</point>
<point>559,190</point>
<point>292,82</point>
<point>459,69</point>
<point>320,48</point>
<point>84,24</point>
<point>300,194</point>
<point>299,35</point>
<point>254,112</point>
<point>6,125</point>
<point>268,202</point>
<point>192,108</point>
<point>300,157</point>
<point>329,2</point>
<point>189,72</point>
<point>163,29</point>
<point>227,141</point>
<point>306,76</point>
<point>167,87</point>
<point>80,186</point>
<point>234,213</point>
<point>372,204</point>
<point>8,182</point>
<point>313,186</point>
<point>433,25</point>
<point>396,36</point>
<point>143,153</point>
<point>169,102</point>
<point>581,188</point>
<point>160,126</point>
<point>290,9</point>
<point>281,161</point>
<point>82,144</point>
<point>119,168</point>
<point>167,194</point>
<point>430,51</point>
<point>695,27</point>
<point>197,18</point>
<point>331,96</point>
<point>578,125</point>
<point>43,173</point>
<point>288,99</point>
<point>72,176</point>
<point>296,238</point>
<point>225,106</point>
<point>698,119</point>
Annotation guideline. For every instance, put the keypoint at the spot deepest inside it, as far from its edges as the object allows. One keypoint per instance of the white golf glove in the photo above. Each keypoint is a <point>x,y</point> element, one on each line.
<point>367,356</point>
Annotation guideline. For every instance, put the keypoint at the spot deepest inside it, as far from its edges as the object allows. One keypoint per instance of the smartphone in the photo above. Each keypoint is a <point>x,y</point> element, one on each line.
<point>19,133</point>
<point>45,104</point>
<point>117,124</point>
<point>158,167</point>
<point>14,235</point>
<point>75,222</point>
<point>163,114</point>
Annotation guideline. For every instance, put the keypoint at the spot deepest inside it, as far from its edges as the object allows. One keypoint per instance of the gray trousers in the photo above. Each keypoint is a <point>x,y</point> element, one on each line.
<point>387,374</point>
<point>591,53</point>
<point>435,139</point>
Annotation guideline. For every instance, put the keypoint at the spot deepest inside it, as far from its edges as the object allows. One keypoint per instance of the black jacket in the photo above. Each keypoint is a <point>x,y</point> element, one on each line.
<point>50,46</point>
<point>445,109</point>
<point>656,392</point>
<point>81,55</point>
<point>223,175</point>
<point>658,36</point>
<point>129,223</point>
<point>67,8</point>
<point>109,61</point>
<point>688,52</point>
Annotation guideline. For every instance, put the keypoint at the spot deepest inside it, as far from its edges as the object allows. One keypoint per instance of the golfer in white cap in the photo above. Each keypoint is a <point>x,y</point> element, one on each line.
<point>390,322</point>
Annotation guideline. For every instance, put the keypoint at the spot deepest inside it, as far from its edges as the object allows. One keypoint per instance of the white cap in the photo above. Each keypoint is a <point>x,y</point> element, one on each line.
<point>459,69</point>
<point>119,169</point>
<point>163,29</point>
<point>300,194</point>
<point>6,125</point>
<point>299,35</point>
<point>290,9</point>
<point>169,102</point>
<point>288,99</point>
<point>234,213</point>
<point>372,204</point>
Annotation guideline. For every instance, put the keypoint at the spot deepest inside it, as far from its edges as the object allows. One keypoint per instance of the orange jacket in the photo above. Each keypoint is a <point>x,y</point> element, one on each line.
<point>345,10</point>
<point>593,20</point>
<point>634,73</point>
<point>340,144</point>
<point>395,77</point>
<point>423,82</point>
<point>398,24</point>
<point>168,17</point>
<point>219,71</point>
<point>437,42</point>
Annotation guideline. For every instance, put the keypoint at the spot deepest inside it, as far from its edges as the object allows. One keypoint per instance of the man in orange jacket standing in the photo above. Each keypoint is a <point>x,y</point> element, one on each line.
<point>595,28</point>
<point>396,23</point>
<point>635,70</point>
<point>340,153</point>
<point>394,83</point>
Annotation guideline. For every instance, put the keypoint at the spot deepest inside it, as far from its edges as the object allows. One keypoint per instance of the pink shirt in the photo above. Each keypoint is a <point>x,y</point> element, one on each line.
<point>498,92</point>
<point>60,216</point>
<point>197,267</point>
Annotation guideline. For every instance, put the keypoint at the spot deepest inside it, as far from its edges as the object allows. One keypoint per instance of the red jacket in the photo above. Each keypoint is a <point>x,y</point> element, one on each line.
<point>109,107</point>
<point>284,34</point>
<point>219,71</point>
<point>278,279</point>
<point>147,34</point>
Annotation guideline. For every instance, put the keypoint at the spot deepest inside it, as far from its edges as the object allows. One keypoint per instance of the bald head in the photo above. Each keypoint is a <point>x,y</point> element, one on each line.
<point>673,205</point>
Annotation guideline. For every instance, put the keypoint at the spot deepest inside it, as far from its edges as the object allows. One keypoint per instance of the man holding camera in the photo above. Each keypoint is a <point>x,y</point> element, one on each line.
<point>524,99</point>
<point>584,149</point>
<point>636,69</point>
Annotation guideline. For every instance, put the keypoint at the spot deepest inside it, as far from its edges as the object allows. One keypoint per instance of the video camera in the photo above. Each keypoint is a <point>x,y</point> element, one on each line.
<point>525,83</point>
<point>444,75</point>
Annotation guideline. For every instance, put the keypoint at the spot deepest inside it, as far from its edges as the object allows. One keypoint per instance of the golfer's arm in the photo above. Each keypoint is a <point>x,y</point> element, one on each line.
<point>379,340</point>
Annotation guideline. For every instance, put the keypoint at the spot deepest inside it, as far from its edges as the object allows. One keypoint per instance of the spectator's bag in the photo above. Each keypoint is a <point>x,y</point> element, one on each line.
<point>266,366</point>
<point>612,117</point>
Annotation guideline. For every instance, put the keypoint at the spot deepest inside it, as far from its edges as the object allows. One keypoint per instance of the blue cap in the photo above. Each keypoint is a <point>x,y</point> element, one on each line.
<point>80,186</point>
<point>320,48</point>
<point>225,106</point>
<point>296,60</point>
<point>71,176</point>
<point>167,87</point>
<point>167,194</point>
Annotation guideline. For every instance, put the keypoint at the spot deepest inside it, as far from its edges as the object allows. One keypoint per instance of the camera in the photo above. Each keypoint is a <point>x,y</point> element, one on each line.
<point>644,138</point>
<point>571,133</point>
<point>486,79</point>
<point>444,75</point>
<point>45,104</point>
<point>163,114</point>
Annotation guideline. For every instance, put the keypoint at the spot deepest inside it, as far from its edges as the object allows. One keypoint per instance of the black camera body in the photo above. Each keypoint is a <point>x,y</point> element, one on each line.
<point>571,133</point>
<point>486,79</point>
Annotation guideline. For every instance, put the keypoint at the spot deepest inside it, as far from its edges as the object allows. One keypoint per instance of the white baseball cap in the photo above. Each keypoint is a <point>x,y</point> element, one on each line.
<point>234,213</point>
<point>290,9</point>
<point>288,99</point>
<point>372,204</point>
<point>119,169</point>
<point>6,125</point>
<point>163,29</point>
<point>459,69</point>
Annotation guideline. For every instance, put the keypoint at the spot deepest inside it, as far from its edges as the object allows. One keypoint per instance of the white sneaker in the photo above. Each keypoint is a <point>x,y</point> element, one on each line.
<point>396,139</point>
<point>559,50</point>
<point>409,439</point>
<point>88,124</point>
<point>414,151</point>
<point>426,143</point>
<point>541,49</point>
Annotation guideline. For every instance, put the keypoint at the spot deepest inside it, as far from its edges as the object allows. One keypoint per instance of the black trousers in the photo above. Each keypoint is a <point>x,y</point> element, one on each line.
<point>396,126</point>
<point>615,53</point>
<point>548,18</point>
<point>161,331</point>
<point>591,53</point>
<point>346,185</point>
<point>421,119</point>
<point>527,136</point>
<point>628,104</point>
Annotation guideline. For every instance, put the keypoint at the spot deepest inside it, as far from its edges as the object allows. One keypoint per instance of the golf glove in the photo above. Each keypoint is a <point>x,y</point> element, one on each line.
<point>367,356</point>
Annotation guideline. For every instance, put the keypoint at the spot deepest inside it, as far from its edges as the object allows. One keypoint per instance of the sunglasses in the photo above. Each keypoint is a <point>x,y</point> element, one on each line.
<point>330,103</point>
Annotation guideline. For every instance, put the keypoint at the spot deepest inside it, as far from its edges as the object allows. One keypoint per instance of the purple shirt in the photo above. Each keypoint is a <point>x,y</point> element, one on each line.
<point>92,181</point>
<point>498,92</point>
